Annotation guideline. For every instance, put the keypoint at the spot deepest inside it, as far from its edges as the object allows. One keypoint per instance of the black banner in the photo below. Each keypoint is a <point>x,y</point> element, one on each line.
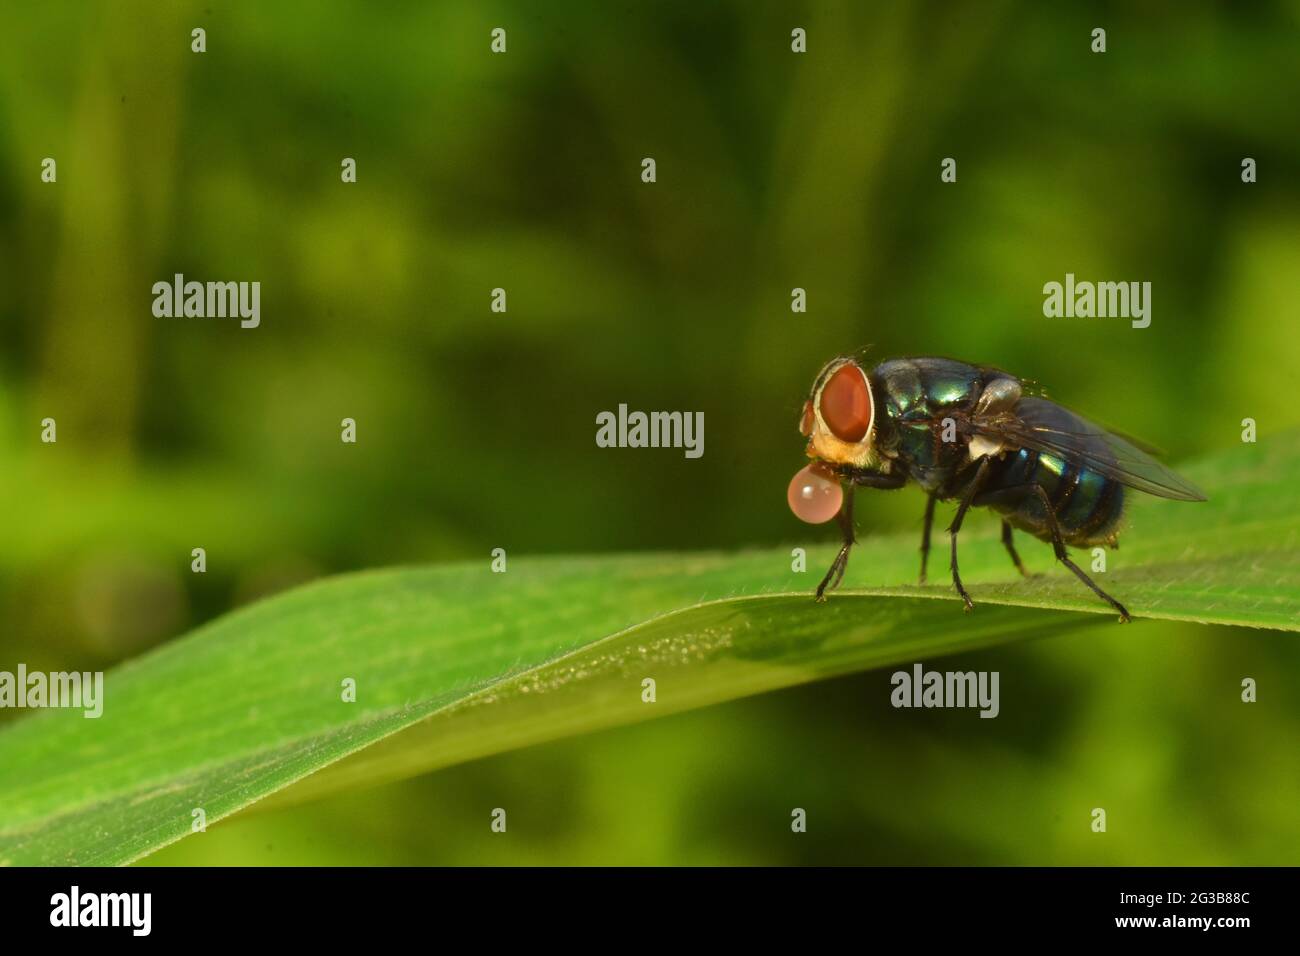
<point>334,906</point>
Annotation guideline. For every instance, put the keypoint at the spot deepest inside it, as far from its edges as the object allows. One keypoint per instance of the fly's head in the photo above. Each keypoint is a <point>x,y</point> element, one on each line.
<point>839,417</point>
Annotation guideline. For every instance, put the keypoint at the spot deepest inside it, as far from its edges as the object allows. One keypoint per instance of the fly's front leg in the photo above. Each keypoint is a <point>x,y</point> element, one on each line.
<point>854,477</point>
<point>967,496</point>
<point>835,573</point>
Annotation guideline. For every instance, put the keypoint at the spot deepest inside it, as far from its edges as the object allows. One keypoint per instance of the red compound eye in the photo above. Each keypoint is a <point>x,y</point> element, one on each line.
<point>845,404</point>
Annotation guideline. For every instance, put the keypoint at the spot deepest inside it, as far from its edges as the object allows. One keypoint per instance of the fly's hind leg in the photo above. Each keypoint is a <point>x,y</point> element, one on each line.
<point>1058,543</point>
<point>1011,549</point>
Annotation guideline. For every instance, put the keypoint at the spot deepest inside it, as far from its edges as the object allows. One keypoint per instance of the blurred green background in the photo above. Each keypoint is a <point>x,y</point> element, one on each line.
<point>476,429</point>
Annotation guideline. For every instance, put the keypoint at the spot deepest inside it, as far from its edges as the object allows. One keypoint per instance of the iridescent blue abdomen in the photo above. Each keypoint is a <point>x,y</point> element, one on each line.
<point>1087,504</point>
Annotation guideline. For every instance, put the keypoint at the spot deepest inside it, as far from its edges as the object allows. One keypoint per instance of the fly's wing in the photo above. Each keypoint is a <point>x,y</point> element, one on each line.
<point>1047,427</point>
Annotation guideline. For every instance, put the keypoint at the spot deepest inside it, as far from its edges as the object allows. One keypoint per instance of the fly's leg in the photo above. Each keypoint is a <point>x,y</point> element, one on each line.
<point>1011,549</point>
<point>971,491</point>
<point>854,477</point>
<point>925,534</point>
<point>835,573</point>
<point>1058,544</point>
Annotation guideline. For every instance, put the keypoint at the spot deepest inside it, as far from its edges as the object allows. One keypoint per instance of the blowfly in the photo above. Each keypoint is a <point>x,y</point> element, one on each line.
<point>968,433</point>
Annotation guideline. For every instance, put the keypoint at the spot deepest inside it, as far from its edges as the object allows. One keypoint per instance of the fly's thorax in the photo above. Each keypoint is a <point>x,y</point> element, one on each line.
<point>923,389</point>
<point>927,403</point>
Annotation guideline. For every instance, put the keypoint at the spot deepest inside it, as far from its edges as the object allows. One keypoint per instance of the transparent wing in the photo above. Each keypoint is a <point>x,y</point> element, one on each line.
<point>1047,427</point>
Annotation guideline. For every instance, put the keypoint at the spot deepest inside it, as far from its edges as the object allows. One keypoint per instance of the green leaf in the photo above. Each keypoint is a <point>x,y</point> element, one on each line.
<point>456,662</point>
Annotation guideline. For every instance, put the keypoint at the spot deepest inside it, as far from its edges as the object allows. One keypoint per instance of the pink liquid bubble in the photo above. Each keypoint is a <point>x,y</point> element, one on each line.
<point>814,494</point>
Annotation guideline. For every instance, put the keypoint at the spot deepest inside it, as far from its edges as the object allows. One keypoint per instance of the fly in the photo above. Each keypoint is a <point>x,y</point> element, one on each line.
<point>968,433</point>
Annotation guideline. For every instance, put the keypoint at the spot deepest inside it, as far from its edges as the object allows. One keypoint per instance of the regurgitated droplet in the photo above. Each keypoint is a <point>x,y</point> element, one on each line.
<point>814,494</point>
